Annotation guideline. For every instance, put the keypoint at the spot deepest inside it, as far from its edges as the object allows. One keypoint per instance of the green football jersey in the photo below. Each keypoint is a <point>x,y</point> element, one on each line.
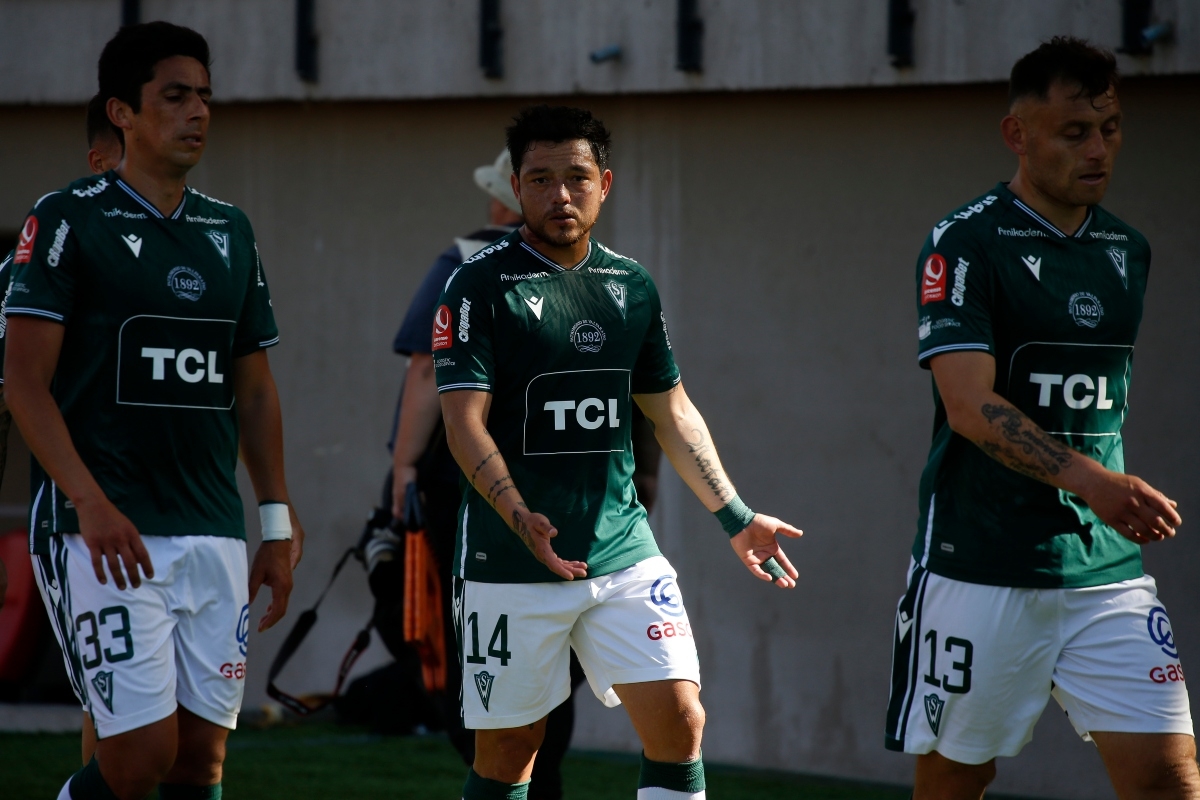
<point>1060,315</point>
<point>561,351</point>
<point>156,309</point>
<point>5,285</point>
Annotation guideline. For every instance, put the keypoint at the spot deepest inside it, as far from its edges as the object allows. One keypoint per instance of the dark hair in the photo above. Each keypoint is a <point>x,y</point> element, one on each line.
<point>129,58</point>
<point>1067,60</point>
<point>557,124</point>
<point>98,123</point>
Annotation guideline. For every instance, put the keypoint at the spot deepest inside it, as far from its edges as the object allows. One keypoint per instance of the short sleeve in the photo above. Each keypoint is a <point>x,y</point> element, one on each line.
<point>954,297</point>
<point>655,370</point>
<point>256,327</point>
<point>413,336</point>
<point>45,264</point>
<point>462,334</point>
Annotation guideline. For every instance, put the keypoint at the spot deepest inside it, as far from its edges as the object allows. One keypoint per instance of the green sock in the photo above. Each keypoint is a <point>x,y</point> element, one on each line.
<point>480,788</point>
<point>679,780</point>
<point>183,791</point>
<point>88,784</point>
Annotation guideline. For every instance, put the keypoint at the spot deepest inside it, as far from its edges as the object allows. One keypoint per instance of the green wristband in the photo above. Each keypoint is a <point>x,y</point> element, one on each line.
<point>735,517</point>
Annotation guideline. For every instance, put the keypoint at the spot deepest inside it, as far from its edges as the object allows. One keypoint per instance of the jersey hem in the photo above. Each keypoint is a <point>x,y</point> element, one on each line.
<point>624,561</point>
<point>33,312</point>
<point>1084,581</point>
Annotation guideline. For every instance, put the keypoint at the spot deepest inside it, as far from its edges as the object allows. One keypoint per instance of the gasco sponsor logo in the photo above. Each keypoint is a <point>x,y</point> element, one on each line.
<point>668,630</point>
<point>1171,673</point>
<point>442,319</point>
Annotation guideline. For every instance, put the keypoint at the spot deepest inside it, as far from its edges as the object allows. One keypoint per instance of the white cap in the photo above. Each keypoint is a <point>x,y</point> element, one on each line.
<point>494,179</point>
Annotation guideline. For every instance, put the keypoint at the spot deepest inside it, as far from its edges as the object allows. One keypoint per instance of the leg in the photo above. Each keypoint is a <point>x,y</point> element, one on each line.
<point>667,716</point>
<point>506,755</point>
<point>201,752</point>
<point>133,763</point>
<point>1150,766</point>
<point>939,778</point>
<point>89,738</point>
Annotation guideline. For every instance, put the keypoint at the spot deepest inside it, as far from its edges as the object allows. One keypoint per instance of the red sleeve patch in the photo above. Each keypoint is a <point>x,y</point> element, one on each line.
<point>933,280</point>
<point>25,241</point>
<point>442,320</point>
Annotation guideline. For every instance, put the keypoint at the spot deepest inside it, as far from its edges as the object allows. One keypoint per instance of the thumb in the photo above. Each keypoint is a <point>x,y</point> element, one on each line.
<point>256,581</point>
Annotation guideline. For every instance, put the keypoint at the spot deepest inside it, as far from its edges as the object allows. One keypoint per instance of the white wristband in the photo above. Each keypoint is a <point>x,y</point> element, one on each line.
<point>276,522</point>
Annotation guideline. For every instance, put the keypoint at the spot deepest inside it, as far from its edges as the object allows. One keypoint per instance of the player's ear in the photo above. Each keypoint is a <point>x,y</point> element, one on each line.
<point>1014,133</point>
<point>605,184</point>
<point>119,113</point>
<point>516,185</point>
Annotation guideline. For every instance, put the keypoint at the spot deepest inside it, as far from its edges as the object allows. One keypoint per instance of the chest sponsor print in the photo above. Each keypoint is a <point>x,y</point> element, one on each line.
<point>175,362</point>
<point>1072,389</point>
<point>577,411</point>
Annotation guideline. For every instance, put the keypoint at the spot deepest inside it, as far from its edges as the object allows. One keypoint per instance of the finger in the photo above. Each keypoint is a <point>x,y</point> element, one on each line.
<point>1165,507</point>
<point>789,530</point>
<point>781,558</point>
<point>560,569</point>
<point>757,571</point>
<point>1158,526</point>
<point>114,569</point>
<point>98,565</point>
<point>1129,533</point>
<point>279,604</point>
<point>143,556</point>
<point>781,579</point>
<point>129,560</point>
<point>1139,527</point>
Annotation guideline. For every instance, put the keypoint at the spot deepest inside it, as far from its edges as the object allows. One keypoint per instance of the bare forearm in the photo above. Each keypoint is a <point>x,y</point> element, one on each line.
<point>689,447</point>
<point>419,412</point>
<point>261,428</point>
<point>45,431</point>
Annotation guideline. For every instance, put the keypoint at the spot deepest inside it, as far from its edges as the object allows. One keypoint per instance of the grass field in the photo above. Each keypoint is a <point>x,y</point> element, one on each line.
<point>325,760</point>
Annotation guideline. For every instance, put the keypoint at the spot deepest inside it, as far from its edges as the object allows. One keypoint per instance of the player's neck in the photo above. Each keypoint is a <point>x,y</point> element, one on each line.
<point>160,184</point>
<point>566,256</point>
<point>1066,217</point>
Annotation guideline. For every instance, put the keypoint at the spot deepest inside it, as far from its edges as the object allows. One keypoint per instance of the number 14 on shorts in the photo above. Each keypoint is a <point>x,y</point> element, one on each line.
<point>497,645</point>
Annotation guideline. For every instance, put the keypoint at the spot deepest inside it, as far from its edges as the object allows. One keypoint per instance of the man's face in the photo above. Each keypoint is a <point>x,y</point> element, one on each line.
<point>172,125</point>
<point>1069,143</point>
<point>561,189</point>
<point>105,153</point>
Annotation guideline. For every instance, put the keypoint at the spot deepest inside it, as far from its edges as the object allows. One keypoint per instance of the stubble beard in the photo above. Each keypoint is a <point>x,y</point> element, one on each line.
<point>540,229</point>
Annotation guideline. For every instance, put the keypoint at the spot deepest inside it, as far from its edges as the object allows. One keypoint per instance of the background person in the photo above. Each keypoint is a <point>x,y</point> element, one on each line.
<point>1026,579</point>
<point>139,452</point>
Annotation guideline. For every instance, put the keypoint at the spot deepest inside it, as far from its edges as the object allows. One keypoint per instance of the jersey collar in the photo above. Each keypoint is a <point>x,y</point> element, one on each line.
<point>557,267</point>
<point>1047,224</point>
<point>176,214</point>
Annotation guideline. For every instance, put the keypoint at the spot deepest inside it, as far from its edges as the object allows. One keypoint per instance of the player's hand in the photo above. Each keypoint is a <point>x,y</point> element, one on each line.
<point>111,537</point>
<point>297,537</point>
<point>1134,508</point>
<point>536,532</point>
<point>272,566</point>
<point>757,544</point>
<point>401,478</point>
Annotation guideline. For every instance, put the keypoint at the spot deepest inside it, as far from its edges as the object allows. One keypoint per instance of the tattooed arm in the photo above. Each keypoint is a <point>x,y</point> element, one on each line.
<point>689,447</point>
<point>465,414</point>
<point>965,382</point>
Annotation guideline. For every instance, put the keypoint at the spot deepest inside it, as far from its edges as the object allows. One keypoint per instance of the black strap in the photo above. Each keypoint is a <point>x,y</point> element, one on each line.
<point>300,630</point>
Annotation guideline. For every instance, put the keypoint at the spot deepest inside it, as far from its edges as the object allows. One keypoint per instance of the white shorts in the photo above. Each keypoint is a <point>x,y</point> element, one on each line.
<point>515,639</point>
<point>974,665</point>
<point>180,638</point>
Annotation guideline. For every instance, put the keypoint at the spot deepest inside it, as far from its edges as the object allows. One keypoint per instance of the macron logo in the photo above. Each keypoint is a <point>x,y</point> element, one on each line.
<point>1034,264</point>
<point>940,228</point>
<point>134,242</point>
<point>535,305</point>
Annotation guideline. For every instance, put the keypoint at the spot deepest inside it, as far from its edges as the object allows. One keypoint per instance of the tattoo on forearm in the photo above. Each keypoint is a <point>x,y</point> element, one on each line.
<point>486,459</point>
<point>502,485</point>
<point>1025,448</point>
<point>520,527</point>
<point>706,462</point>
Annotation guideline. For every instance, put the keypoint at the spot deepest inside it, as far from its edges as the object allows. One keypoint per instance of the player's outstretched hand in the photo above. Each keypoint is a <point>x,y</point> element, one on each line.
<point>536,532</point>
<point>1137,510</point>
<point>273,566</point>
<point>757,544</point>
<point>111,537</point>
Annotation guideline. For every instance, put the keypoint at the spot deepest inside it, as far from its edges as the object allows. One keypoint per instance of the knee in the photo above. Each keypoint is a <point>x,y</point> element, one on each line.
<point>939,778</point>
<point>199,763</point>
<point>507,755</point>
<point>683,734</point>
<point>135,778</point>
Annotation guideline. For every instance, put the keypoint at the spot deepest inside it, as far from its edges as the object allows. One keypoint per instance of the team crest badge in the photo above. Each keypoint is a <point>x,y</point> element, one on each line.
<point>617,292</point>
<point>1118,257</point>
<point>483,683</point>
<point>933,711</point>
<point>103,684</point>
<point>220,241</point>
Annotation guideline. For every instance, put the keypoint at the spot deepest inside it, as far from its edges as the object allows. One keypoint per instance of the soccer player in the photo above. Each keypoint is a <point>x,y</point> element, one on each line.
<point>541,343</point>
<point>1026,579</point>
<point>137,371</point>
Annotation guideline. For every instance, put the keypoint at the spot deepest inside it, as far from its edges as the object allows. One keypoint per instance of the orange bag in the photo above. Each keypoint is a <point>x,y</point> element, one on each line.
<point>423,625</point>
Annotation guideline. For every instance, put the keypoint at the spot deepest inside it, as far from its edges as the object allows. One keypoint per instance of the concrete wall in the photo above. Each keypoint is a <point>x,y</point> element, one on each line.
<point>783,229</point>
<point>382,49</point>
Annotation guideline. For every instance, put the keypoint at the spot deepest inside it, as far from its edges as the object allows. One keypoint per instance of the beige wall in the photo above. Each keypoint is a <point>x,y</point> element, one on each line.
<point>783,229</point>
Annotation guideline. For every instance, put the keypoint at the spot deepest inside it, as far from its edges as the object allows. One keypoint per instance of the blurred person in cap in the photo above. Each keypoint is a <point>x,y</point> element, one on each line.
<point>420,456</point>
<point>105,149</point>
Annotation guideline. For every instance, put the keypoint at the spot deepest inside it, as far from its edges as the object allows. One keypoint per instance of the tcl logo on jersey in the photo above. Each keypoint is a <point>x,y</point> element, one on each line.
<point>933,280</point>
<point>1078,391</point>
<point>442,319</point>
<point>580,411</point>
<point>25,241</point>
<point>175,362</point>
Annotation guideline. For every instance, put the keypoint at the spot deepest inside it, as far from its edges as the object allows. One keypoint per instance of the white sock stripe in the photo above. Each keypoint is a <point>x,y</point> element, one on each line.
<point>659,793</point>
